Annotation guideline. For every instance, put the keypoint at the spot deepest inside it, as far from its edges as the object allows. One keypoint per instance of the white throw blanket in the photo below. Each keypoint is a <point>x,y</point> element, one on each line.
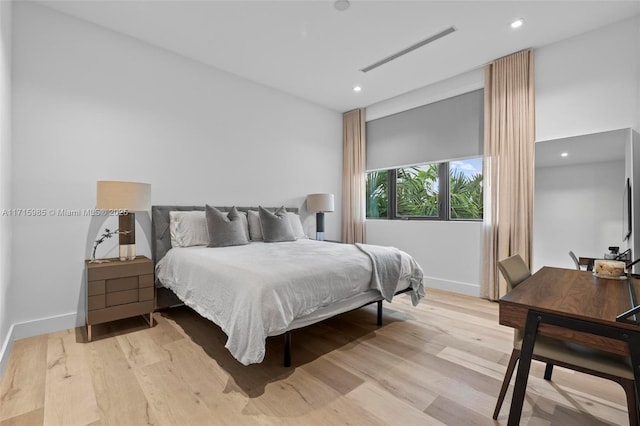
<point>387,262</point>
<point>257,290</point>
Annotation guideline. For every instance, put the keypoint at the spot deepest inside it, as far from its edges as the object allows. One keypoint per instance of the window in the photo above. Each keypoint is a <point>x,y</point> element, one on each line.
<point>417,191</point>
<point>438,191</point>
<point>378,194</point>
<point>465,189</point>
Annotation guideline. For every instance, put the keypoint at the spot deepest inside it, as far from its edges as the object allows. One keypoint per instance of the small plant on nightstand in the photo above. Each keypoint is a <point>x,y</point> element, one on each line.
<point>107,234</point>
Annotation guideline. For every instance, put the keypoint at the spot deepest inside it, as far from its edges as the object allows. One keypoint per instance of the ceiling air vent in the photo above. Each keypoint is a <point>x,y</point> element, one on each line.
<point>409,49</point>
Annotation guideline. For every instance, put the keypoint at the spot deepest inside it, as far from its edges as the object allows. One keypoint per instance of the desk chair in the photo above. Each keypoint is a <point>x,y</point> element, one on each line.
<point>575,260</point>
<point>569,355</point>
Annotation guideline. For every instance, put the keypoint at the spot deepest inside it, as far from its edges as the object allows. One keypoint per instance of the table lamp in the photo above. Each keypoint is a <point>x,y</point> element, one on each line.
<point>124,198</point>
<point>320,203</point>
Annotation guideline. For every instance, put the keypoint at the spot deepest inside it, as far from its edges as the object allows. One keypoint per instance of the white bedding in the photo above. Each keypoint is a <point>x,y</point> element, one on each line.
<point>258,290</point>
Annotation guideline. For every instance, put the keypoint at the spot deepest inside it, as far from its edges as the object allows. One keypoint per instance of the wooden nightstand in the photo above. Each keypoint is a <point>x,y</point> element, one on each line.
<point>117,290</point>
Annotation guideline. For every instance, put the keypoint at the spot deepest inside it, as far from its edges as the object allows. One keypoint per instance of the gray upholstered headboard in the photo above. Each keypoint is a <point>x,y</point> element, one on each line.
<point>160,236</point>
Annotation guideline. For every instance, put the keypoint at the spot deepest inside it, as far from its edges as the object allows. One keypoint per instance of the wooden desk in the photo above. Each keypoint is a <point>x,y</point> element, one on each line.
<point>580,305</point>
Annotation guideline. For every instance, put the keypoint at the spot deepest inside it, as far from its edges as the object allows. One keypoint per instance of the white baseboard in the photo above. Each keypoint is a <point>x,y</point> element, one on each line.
<point>5,350</point>
<point>25,329</point>
<point>455,286</point>
<point>45,325</point>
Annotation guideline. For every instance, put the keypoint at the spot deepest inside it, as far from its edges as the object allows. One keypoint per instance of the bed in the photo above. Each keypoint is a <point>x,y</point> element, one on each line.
<point>264,289</point>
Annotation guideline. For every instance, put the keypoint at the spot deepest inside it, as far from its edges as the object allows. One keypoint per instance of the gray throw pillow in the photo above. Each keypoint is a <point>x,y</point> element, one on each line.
<point>225,230</point>
<point>275,226</point>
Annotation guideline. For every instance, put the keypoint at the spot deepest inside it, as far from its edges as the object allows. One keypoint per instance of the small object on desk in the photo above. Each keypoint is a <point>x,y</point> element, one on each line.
<point>613,253</point>
<point>609,269</point>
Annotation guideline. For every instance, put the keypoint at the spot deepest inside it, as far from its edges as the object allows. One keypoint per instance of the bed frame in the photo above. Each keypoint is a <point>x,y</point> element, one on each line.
<point>161,243</point>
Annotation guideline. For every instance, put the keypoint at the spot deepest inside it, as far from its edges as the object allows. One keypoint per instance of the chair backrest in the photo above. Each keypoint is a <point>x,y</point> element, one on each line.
<point>514,270</point>
<point>575,259</point>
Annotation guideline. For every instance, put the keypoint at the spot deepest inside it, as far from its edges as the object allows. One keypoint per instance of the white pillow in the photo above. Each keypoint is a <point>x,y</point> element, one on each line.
<point>296,224</point>
<point>189,228</point>
<point>255,227</point>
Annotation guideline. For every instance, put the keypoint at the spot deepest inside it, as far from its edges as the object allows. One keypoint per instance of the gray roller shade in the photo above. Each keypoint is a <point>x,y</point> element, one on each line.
<point>444,130</point>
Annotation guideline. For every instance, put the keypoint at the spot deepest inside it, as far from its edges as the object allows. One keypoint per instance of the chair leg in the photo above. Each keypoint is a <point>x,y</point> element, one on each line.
<point>515,355</point>
<point>548,370</point>
<point>630,390</point>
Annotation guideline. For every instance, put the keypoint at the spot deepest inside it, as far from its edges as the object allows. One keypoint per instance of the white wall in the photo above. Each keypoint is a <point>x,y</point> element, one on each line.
<point>448,252</point>
<point>588,83</point>
<point>569,213</point>
<point>5,182</point>
<point>91,104</point>
<point>637,74</point>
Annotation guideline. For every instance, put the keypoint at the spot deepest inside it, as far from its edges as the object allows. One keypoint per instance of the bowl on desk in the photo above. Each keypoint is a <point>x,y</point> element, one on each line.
<point>611,269</point>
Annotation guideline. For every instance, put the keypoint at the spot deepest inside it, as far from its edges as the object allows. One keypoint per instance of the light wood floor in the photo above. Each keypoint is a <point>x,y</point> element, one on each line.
<point>439,363</point>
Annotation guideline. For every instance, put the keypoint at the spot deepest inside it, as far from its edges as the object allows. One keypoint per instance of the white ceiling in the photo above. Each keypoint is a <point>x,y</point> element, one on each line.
<point>311,50</point>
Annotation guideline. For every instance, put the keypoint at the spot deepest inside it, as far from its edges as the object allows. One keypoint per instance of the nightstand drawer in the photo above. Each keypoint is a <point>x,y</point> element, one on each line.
<point>96,287</point>
<point>121,284</point>
<point>145,294</point>
<point>116,269</point>
<point>95,302</point>
<point>146,280</point>
<point>122,297</point>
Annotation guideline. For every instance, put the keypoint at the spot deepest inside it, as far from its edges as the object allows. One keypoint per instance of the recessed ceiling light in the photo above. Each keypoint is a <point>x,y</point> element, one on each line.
<point>357,88</point>
<point>564,154</point>
<point>517,23</point>
<point>341,5</point>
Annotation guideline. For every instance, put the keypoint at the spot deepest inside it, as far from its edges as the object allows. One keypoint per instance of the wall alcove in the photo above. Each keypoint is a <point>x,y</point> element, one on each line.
<point>578,197</point>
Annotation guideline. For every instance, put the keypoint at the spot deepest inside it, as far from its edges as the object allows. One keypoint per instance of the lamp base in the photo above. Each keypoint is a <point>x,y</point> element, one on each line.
<point>127,237</point>
<point>320,226</point>
<point>127,252</point>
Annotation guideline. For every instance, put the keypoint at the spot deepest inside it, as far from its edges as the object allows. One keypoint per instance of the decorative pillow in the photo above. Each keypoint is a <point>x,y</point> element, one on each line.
<point>296,225</point>
<point>275,226</point>
<point>225,229</point>
<point>188,228</point>
<point>245,222</point>
<point>255,229</point>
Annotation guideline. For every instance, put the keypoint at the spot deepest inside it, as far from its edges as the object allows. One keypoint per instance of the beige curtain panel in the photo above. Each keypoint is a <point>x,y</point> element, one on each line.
<point>509,137</point>
<point>353,176</point>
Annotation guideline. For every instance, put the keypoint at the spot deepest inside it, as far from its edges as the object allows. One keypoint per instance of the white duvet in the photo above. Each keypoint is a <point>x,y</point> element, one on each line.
<point>257,290</point>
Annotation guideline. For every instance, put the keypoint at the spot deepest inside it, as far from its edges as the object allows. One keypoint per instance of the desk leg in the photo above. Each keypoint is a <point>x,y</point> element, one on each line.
<point>522,376</point>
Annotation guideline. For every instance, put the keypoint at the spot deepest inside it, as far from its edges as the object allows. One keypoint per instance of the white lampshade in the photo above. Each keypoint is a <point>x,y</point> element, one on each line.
<point>320,203</point>
<point>131,196</point>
